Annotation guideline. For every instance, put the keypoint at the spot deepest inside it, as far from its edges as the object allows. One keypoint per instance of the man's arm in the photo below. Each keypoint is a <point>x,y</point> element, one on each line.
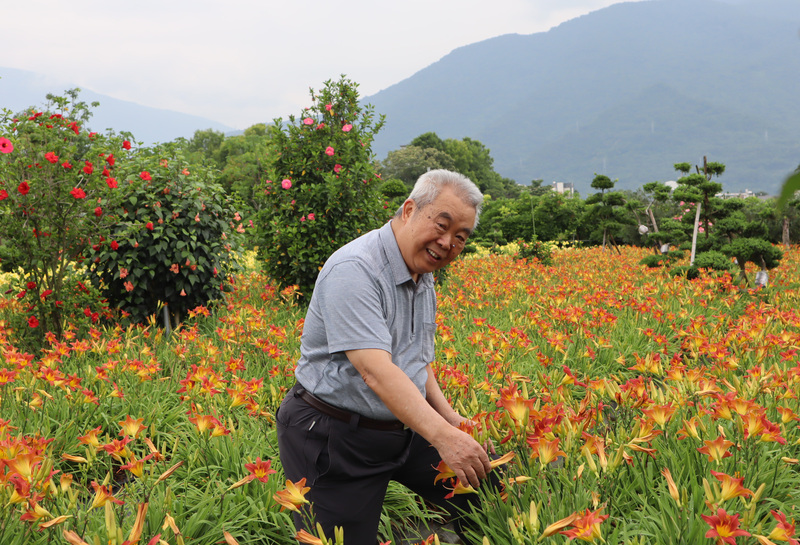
<point>458,449</point>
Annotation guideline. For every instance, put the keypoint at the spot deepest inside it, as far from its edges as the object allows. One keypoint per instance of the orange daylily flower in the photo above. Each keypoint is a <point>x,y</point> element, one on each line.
<point>131,427</point>
<point>559,525</point>
<point>260,469</point>
<point>293,496</point>
<point>102,496</point>
<point>717,449</point>
<point>586,526</point>
<point>724,527</point>
<point>73,538</point>
<point>671,486</point>
<point>784,531</point>
<point>731,486</point>
<point>137,466</point>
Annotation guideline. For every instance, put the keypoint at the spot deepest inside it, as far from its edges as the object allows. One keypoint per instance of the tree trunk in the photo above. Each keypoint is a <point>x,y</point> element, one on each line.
<point>694,236</point>
<point>786,241</point>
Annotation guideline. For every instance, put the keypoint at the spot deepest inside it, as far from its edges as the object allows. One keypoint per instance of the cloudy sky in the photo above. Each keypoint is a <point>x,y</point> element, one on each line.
<point>239,62</point>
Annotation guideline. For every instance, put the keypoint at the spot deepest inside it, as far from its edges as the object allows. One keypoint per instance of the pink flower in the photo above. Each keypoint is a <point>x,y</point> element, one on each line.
<point>286,183</point>
<point>78,193</point>
<point>302,218</point>
<point>329,151</point>
<point>347,128</point>
<point>5,145</point>
<point>308,121</point>
<point>311,217</point>
<point>337,168</point>
<point>328,107</point>
<point>52,157</point>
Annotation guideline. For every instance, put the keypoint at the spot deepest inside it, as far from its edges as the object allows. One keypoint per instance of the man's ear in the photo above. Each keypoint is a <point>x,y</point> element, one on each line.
<point>409,207</point>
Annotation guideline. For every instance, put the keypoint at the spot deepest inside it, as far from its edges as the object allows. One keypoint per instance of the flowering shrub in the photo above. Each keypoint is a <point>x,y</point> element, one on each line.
<point>175,240</point>
<point>54,192</point>
<point>324,191</point>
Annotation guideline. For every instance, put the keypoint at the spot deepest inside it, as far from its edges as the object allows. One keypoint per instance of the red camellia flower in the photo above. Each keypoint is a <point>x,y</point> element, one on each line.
<point>5,145</point>
<point>145,176</point>
<point>3,194</point>
<point>52,157</point>
<point>66,164</point>
<point>112,183</point>
<point>114,245</point>
<point>111,160</point>
<point>33,322</point>
<point>31,285</point>
<point>88,168</point>
<point>78,193</point>
<point>149,225</point>
<point>98,211</point>
<point>126,145</point>
<point>75,127</point>
<point>23,188</point>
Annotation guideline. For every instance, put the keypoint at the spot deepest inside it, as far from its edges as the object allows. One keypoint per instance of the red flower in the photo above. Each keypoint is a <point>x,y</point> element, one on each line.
<point>75,127</point>
<point>23,188</point>
<point>111,182</point>
<point>149,225</point>
<point>31,285</point>
<point>45,293</point>
<point>52,157</point>
<point>145,176</point>
<point>88,168</point>
<point>111,160</point>
<point>114,245</point>
<point>66,164</point>
<point>3,194</point>
<point>33,322</point>
<point>78,193</point>
<point>724,527</point>
<point>5,145</point>
<point>98,211</point>
<point>126,145</point>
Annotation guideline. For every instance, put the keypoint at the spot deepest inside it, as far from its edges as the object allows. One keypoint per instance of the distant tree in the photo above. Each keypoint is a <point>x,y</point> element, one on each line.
<point>204,145</point>
<point>603,209</point>
<point>537,189</point>
<point>428,140</point>
<point>410,162</point>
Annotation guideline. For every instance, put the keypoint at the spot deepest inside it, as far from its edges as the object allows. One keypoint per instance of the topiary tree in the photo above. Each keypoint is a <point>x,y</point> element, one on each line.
<point>175,239</point>
<point>603,209</point>
<point>324,190</point>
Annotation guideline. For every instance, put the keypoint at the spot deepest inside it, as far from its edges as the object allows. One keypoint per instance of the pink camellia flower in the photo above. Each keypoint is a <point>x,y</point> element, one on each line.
<point>347,128</point>
<point>328,107</point>
<point>78,193</point>
<point>52,157</point>
<point>302,218</point>
<point>308,121</point>
<point>311,217</point>
<point>329,151</point>
<point>5,145</point>
<point>23,188</point>
<point>286,183</point>
<point>145,176</point>
<point>337,168</point>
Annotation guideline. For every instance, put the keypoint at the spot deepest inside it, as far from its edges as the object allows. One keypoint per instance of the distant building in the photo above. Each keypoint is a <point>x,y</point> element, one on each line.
<point>740,195</point>
<point>564,187</point>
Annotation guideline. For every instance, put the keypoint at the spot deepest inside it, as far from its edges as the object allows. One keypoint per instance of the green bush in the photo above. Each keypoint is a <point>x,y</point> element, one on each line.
<point>175,241</point>
<point>713,260</point>
<point>54,195</point>
<point>542,251</point>
<point>325,189</point>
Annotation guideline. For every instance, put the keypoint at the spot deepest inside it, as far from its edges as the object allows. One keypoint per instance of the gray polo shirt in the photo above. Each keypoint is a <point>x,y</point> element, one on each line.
<point>365,297</point>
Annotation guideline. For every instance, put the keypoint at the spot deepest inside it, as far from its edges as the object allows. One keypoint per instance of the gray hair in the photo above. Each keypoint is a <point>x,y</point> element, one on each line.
<point>430,184</point>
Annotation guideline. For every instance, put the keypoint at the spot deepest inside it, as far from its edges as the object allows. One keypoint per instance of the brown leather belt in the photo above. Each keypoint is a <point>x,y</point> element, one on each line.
<point>346,416</point>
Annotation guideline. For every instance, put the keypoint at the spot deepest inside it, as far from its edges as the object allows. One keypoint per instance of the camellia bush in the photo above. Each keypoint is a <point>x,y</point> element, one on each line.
<point>324,190</point>
<point>56,180</point>
<point>175,241</point>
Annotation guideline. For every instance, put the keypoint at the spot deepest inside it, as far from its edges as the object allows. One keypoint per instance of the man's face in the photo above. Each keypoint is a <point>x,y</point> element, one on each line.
<point>431,237</point>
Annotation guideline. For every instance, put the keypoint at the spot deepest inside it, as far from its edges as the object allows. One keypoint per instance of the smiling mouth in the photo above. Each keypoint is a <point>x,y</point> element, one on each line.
<point>435,256</point>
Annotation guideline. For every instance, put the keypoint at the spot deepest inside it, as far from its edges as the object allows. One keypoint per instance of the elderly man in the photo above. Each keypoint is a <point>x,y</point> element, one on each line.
<point>367,408</point>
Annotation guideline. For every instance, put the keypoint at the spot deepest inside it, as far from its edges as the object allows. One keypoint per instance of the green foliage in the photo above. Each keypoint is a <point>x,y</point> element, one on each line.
<point>754,250</point>
<point>175,238</point>
<point>713,260</point>
<point>325,187</point>
<point>54,192</point>
<point>410,162</point>
<point>541,251</point>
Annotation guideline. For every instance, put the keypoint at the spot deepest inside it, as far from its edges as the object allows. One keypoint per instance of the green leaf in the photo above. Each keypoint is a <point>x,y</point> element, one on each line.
<point>791,185</point>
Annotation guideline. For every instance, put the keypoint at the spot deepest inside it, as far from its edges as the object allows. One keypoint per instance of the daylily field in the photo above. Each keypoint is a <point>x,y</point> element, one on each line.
<point>638,408</point>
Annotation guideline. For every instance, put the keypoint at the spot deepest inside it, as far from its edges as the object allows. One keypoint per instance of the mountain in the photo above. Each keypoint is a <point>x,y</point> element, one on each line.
<point>625,91</point>
<point>20,89</point>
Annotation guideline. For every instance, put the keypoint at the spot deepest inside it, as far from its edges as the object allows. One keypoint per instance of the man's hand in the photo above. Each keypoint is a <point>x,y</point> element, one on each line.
<point>464,455</point>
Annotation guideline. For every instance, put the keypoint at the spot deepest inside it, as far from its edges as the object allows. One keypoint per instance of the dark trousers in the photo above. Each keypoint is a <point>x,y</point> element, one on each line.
<point>349,468</point>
